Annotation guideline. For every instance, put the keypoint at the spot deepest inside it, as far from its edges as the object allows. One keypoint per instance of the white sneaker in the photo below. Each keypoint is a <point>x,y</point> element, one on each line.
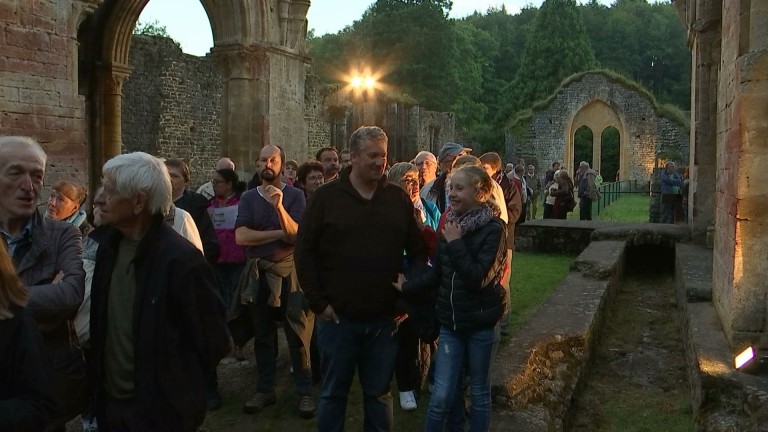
<point>408,401</point>
<point>89,425</point>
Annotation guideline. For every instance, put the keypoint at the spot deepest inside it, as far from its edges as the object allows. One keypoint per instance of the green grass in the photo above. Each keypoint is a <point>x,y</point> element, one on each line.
<point>628,208</point>
<point>637,412</point>
<point>534,277</point>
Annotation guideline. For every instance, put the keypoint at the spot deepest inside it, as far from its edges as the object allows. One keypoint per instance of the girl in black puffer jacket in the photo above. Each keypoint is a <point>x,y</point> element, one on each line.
<point>469,262</point>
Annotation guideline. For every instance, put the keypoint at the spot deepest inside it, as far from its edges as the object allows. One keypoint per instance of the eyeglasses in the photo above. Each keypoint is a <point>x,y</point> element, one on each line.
<point>410,181</point>
<point>58,196</point>
<point>315,178</point>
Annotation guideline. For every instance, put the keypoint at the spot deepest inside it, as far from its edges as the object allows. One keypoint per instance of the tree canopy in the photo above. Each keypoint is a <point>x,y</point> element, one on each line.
<point>486,67</point>
<point>556,47</point>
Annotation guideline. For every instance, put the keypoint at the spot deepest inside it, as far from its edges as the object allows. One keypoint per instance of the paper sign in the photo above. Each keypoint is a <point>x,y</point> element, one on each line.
<point>223,217</point>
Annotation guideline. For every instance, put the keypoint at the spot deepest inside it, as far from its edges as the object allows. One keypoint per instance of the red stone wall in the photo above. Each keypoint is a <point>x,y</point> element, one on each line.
<point>38,82</point>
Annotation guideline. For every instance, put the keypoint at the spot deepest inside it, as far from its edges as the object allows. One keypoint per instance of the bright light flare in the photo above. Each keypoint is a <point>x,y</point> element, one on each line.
<point>744,357</point>
<point>361,80</point>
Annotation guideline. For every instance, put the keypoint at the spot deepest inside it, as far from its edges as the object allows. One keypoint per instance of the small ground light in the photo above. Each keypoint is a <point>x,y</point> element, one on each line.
<point>744,358</point>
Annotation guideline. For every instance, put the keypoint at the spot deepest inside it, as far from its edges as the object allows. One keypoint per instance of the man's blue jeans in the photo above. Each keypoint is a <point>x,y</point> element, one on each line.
<point>371,348</point>
<point>455,351</point>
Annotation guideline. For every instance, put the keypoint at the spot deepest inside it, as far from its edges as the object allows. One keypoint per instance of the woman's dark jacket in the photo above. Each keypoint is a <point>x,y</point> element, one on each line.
<point>26,396</point>
<point>179,326</point>
<point>468,271</point>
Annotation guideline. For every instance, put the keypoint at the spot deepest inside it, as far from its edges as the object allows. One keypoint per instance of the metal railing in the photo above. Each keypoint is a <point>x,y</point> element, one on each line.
<point>610,192</point>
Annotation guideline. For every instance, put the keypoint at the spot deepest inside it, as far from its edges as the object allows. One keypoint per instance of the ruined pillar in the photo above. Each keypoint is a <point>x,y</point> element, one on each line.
<point>245,103</point>
<point>112,79</point>
<point>705,49</point>
<point>597,149</point>
<point>262,102</point>
<point>740,290</point>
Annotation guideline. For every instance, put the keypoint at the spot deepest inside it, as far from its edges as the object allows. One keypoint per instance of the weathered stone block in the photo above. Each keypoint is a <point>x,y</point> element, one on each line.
<point>27,38</point>
<point>599,260</point>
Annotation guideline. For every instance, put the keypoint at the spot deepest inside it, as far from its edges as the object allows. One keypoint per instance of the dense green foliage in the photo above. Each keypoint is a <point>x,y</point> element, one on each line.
<point>488,67</point>
<point>556,48</point>
<point>151,28</point>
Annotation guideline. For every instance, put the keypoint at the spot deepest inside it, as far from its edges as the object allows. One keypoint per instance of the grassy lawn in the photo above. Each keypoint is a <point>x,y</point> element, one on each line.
<point>629,208</point>
<point>534,276</point>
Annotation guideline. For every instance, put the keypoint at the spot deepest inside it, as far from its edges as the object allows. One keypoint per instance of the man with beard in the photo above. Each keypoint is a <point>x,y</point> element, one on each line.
<point>350,249</point>
<point>267,222</point>
<point>329,157</point>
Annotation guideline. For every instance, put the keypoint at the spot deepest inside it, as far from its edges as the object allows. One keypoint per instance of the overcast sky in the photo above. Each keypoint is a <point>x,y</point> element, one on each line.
<point>190,26</point>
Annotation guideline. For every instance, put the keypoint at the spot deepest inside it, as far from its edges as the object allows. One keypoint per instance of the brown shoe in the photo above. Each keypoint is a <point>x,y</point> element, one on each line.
<point>259,402</point>
<point>306,407</point>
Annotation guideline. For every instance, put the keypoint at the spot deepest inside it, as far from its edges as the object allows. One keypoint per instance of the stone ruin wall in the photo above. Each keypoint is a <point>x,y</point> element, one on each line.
<point>172,108</point>
<point>172,105</point>
<point>544,139</point>
<point>315,114</point>
<point>39,83</point>
<point>741,205</point>
<point>286,95</point>
<point>433,129</point>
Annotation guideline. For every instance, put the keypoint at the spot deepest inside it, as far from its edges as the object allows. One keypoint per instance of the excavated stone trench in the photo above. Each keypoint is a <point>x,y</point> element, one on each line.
<point>637,379</point>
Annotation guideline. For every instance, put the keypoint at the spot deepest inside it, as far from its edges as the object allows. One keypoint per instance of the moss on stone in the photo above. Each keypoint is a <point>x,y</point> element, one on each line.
<point>520,119</point>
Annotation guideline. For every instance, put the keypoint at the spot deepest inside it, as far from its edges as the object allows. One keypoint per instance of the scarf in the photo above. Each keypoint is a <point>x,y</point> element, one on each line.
<point>474,218</point>
<point>76,219</point>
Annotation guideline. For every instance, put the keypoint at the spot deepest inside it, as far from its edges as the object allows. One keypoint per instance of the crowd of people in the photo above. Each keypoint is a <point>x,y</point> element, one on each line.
<point>121,314</point>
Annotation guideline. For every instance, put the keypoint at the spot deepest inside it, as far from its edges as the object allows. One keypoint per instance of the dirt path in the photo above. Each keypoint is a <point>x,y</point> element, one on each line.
<point>638,379</point>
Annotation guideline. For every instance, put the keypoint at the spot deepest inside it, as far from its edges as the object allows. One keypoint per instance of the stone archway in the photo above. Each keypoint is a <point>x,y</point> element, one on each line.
<point>259,45</point>
<point>610,153</point>
<point>597,115</point>
<point>599,99</point>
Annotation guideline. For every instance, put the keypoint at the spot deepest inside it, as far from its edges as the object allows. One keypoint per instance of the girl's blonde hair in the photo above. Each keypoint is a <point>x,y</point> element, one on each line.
<point>12,291</point>
<point>478,178</point>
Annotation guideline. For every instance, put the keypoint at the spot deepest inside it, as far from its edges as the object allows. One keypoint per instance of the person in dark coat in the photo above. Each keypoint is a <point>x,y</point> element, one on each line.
<point>158,328</point>
<point>26,396</point>
<point>196,205</point>
<point>48,258</point>
<point>467,269</point>
<point>349,250</point>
